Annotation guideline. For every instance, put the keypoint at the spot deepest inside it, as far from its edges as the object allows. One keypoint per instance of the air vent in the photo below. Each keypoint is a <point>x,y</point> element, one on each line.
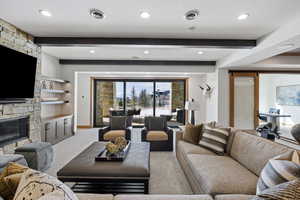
<point>97,14</point>
<point>192,14</point>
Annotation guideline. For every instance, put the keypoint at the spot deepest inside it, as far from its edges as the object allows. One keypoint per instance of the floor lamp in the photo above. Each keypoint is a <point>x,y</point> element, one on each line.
<point>192,106</point>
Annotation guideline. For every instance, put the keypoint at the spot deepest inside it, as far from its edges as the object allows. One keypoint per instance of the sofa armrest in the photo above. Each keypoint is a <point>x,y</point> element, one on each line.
<point>144,132</point>
<point>102,131</point>
<point>128,132</point>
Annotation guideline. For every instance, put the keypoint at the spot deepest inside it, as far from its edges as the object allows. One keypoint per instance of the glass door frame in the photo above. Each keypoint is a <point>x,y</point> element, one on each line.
<point>255,76</point>
<point>154,81</point>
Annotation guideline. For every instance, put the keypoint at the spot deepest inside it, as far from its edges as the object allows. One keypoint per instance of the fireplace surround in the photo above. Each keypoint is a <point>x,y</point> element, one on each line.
<point>13,130</point>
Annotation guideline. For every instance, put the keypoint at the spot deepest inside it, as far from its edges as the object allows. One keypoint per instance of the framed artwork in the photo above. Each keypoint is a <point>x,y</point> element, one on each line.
<point>288,95</point>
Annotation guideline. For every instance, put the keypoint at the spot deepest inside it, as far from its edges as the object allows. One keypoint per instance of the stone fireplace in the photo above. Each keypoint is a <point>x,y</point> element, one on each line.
<point>13,130</point>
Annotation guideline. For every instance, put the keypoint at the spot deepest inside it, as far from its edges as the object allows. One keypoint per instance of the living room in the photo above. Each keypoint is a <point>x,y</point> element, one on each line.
<point>145,106</point>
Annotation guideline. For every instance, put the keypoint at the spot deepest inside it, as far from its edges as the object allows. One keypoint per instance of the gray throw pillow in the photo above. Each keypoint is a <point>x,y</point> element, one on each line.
<point>118,123</point>
<point>285,191</point>
<point>281,169</point>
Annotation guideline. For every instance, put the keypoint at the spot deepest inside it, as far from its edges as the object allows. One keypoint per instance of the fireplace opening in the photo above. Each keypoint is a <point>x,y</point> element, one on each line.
<point>13,130</point>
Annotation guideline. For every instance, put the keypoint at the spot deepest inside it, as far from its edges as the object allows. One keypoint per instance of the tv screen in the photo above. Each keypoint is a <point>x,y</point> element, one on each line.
<point>17,71</point>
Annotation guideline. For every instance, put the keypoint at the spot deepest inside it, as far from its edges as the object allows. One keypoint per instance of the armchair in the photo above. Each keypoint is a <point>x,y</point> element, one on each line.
<point>120,126</point>
<point>158,134</point>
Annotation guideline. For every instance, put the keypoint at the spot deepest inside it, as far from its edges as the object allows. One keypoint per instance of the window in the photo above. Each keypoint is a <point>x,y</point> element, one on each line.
<point>139,98</point>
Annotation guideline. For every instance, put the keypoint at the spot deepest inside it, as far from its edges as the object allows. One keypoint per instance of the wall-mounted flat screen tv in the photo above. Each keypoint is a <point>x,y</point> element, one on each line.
<point>17,74</point>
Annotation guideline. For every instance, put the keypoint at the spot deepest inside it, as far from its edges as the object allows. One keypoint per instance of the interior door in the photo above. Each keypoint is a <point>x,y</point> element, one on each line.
<point>244,100</point>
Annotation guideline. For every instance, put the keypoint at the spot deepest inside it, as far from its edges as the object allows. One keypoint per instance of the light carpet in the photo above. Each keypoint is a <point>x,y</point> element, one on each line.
<point>167,176</point>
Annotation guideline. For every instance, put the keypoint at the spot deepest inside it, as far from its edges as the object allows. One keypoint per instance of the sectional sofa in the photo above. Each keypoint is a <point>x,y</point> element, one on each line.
<point>235,173</point>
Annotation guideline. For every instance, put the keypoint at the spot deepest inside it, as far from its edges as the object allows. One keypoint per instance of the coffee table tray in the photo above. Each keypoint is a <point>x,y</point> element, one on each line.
<point>121,156</point>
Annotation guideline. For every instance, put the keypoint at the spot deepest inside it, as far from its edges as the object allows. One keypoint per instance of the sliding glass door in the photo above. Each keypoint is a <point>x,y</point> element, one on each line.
<point>139,98</point>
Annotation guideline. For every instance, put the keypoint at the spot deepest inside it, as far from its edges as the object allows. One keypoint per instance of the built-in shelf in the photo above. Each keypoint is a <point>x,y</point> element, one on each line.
<point>53,102</point>
<point>55,91</point>
<point>54,79</point>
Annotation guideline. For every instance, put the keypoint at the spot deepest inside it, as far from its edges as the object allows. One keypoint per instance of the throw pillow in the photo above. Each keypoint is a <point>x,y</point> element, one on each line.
<point>10,178</point>
<point>284,191</point>
<point>35,184</point>
<point>192,133</point>
<point>282,168</point>
<point>215,139</point>
<point>212,124</point>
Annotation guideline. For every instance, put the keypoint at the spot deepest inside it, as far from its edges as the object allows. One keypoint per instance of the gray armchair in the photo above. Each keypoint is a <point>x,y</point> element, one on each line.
<point>158,134</point>
<point>120,126</point>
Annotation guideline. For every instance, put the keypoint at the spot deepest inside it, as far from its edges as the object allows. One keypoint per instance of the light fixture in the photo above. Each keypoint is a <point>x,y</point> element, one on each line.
<point>45,13</point>
<point>97,14</point>
<point>200,52</point>
<point>243,16</point>
<point>192,14</point>
<point>92,51</point>
<point>146,52</point>
<point>145,15</point>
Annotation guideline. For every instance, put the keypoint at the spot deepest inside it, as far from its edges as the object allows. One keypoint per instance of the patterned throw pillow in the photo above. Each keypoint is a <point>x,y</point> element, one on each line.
<point>285,191</point>
<point>215,139</point>
<point>281,169</point>
<point>192,133</point>
<point>34,185</point>
<point>10,178</point>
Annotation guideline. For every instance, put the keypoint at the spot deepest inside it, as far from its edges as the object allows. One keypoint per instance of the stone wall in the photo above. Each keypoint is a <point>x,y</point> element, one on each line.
<point>18,40</point>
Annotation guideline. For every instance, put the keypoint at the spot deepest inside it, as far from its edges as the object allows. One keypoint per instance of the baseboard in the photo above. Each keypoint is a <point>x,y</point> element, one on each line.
<point>84,126</point>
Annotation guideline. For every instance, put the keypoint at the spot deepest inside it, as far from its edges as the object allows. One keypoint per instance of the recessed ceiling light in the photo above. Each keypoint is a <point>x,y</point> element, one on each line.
<point>146,52</point>
<point>243,16</point>
<point>97,14</point>
<point>200,52</point>
<point>145,15</point>
<point>45,13</point>
<point>192,14</point>
<point>92,51</point>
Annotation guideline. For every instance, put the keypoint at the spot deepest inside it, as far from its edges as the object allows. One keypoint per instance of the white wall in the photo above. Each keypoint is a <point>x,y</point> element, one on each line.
<point>268,84</point>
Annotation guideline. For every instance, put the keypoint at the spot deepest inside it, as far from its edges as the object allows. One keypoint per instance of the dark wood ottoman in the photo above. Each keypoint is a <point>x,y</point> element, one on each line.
<point>90,176</point>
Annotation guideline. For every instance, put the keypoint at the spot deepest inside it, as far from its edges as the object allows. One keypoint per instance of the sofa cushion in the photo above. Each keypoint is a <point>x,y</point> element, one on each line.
<point>83,196</point>
<point>222,175</point>
<point>234,197</point>
<point>157,136</point>
<point>253,152</point>
<point>112,135</point>
<point>192,133</point>
<point>118,122</point>
<point>279,170</point>
<point>215,139</point>
<point>163,197</point>
<point>189,148</point>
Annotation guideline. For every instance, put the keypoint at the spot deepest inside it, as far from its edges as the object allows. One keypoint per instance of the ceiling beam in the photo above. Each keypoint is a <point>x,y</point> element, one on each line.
<point>138,62</point>
<point>158,42</point>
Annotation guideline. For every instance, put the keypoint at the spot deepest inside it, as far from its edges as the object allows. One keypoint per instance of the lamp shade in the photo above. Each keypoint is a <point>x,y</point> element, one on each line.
<point>192,105</point>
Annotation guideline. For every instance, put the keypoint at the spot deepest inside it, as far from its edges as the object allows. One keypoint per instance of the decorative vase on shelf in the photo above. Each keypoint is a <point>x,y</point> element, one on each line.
<point>295,131</point>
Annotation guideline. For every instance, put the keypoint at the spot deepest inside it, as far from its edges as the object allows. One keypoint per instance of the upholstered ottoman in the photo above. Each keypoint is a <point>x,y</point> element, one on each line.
<point>39,155</point>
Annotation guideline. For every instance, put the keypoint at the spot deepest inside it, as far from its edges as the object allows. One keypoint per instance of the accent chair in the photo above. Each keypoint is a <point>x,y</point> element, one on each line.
<point>120,126</point>
<point>158,134</point>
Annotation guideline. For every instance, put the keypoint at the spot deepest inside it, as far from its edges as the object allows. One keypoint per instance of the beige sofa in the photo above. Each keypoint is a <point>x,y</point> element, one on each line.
<point>235,173</point>
<point>162,197</point>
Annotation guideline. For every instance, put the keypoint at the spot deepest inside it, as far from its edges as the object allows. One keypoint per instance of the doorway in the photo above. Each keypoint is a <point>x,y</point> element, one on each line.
<point>244,100</point>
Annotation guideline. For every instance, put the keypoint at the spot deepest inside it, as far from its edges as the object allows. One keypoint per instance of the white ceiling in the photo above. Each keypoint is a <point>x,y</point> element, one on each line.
<point>218,18</point>
<point>127,53</point>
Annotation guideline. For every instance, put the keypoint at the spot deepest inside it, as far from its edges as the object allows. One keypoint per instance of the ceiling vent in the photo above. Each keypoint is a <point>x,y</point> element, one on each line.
<point>97,14</point>
<point>192,14</point>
